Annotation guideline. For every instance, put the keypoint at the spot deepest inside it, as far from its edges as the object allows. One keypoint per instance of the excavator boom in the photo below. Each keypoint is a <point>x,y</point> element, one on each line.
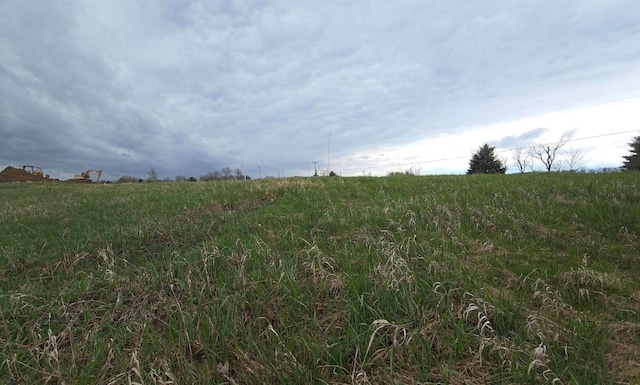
<point>87,175</point>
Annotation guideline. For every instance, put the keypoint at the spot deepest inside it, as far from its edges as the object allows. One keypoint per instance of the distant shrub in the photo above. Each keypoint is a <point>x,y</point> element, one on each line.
<point>409,171</point>
<point>127,179</point>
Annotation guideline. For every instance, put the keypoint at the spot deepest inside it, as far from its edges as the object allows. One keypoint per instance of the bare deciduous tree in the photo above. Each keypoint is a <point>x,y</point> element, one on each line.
<point>505,161</point>
<point>212,175</point>
<point>227,172</point>
<point>548,153</point>
<point>522,159</point>
<point>574,156</point>
<point>153,175</point>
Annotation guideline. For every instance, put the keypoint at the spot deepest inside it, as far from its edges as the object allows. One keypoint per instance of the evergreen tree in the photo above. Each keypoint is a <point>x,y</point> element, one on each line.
<point>485,162</point>
<point>632,162</point>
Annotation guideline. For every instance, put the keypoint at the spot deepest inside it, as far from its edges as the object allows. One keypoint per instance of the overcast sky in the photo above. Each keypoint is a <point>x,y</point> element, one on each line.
<point>187,87</point>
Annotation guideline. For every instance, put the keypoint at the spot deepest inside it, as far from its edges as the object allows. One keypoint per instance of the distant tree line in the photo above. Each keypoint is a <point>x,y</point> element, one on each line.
<point>225,173</point>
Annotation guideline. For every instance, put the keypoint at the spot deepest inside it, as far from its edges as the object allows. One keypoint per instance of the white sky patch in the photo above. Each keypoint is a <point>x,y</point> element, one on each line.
<point>601,132</point>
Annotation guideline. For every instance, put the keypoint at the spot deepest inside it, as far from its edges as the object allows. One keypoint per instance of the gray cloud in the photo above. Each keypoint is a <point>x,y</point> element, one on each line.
<point>189,86</point>
<point>522,140</point>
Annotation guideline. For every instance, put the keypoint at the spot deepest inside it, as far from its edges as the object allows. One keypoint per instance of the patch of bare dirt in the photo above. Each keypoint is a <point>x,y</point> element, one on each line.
<point>12,174</point>
<point>623,355</point>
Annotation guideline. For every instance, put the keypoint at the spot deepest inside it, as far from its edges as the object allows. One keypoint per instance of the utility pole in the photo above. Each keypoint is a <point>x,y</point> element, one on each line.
<point>259,177</point>
<point>315,169</point>
<point>329,154</point>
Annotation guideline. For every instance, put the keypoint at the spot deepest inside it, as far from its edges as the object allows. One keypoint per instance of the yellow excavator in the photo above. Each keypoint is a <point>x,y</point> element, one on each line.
<point>87,175</point>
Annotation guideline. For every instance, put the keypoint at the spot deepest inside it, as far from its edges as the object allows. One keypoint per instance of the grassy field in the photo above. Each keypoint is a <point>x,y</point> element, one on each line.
<point>516,279</point>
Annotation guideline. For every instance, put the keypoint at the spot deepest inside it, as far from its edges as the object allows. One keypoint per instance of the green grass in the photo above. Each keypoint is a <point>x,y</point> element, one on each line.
<point>497,279</point>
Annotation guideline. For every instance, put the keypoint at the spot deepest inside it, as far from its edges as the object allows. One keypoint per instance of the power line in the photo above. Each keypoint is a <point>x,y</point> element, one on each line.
<point>467,157</point>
